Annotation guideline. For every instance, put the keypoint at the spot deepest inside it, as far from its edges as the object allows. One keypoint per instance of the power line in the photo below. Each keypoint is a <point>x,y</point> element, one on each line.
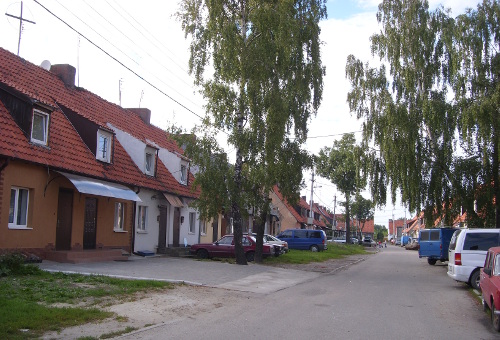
<point>121,63</point>
<point>130,47</point>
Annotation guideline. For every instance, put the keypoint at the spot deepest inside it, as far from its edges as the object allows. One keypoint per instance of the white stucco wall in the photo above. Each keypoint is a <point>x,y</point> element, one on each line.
<point>148,239</point>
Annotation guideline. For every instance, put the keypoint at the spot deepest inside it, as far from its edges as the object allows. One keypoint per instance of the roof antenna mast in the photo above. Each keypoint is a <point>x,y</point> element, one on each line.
<point>21,20</point>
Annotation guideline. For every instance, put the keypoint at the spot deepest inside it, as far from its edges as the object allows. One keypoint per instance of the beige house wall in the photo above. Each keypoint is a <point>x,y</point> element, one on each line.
<point>40,234</point>
<point>287,220</point>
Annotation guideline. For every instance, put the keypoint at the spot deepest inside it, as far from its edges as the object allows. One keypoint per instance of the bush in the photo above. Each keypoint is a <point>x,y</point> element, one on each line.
<point>15,264</point>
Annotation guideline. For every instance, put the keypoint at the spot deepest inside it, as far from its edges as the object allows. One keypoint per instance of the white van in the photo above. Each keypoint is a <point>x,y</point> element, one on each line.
<point>467,252</point>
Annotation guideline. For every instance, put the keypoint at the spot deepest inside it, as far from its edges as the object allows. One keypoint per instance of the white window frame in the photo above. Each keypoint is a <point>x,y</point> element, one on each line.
<point>45,122</point>
<point>106,156</point>
<point>151,170</point>
<point>192,222</point>
<point>203,227</point>
<point>142,218</point>
<point>184,175</point>
<point>14,208</point>
<point>119,216</point>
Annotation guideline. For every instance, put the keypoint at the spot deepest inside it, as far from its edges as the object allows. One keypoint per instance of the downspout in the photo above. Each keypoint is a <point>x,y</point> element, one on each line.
<point>133,226</point>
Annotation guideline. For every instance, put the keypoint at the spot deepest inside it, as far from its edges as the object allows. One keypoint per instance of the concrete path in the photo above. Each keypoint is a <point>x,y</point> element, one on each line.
<point>251,278</point>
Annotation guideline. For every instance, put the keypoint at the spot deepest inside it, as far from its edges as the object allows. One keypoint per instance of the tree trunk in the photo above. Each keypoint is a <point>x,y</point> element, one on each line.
<point>235,208</point>
<point>260,238</point>
<point>347,219</point>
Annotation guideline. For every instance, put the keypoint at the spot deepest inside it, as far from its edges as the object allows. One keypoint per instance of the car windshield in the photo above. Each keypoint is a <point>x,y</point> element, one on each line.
<point>496,270</point>
<point>272,238</point>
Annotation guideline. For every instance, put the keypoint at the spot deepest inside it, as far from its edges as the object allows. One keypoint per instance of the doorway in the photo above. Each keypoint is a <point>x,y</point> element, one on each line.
<point>89,223</point>
<point>64,219</point>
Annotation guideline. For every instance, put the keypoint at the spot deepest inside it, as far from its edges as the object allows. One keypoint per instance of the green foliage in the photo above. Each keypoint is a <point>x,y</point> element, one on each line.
<point>17,315</point>
<point>362,209</point>
<point>264,83</point>
<point>343,165</point>
<point>441,154</point>
<point>14,264</point>
<point>380,229</point>
<point>334,251</point>
<point>26,302</point>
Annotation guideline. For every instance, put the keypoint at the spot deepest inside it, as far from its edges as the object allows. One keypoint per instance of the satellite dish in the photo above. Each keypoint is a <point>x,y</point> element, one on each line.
<point>45,65</point>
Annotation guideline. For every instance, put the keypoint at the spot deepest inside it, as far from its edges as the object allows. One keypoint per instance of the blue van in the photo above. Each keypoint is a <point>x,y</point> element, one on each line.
<point>305,239</point>
<point>434,244</point>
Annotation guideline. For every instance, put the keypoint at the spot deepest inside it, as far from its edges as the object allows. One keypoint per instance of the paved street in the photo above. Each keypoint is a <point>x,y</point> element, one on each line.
<point>390,294</point>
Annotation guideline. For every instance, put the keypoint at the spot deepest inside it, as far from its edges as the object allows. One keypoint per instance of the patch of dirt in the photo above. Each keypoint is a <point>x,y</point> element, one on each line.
<point>155,308</point>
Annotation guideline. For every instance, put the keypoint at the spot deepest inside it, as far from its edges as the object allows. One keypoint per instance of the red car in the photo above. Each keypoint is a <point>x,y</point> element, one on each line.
<point>225,248</point>
<point>489,282</point>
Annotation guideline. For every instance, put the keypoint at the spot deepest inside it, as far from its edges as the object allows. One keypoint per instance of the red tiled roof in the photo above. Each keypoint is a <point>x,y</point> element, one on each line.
<point>66,149</point>
<point>302,203</point>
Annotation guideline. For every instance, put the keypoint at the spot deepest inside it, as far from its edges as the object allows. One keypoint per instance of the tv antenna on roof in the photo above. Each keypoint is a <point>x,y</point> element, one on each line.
<point>21,22</point>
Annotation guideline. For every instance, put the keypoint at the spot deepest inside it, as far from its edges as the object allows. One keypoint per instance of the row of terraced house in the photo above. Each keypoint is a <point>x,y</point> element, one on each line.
<point>83,179</point>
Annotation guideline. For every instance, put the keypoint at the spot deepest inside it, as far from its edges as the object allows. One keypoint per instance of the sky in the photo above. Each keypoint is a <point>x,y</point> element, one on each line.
<point>134,54</point>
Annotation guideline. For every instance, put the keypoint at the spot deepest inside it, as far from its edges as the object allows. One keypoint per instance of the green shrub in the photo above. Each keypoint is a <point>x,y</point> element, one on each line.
<point>15,264</point>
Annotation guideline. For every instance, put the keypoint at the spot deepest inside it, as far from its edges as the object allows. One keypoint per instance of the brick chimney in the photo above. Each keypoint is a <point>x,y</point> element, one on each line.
<point>144,113</point>
<point>66,72</point>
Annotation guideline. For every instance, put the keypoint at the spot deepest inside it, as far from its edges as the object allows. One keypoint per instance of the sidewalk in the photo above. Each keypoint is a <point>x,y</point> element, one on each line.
<point>251,278</point>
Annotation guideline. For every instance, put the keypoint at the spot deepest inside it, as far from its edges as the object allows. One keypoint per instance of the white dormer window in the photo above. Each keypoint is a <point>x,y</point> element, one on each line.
<point>183,174</point>
<point>39,127</point>
<point>149,162</point>
<point>104,146</point>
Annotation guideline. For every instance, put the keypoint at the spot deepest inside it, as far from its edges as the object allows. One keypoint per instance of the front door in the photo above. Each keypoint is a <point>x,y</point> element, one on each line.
<point>177,226</point>
<point>64,219</point>
<point>89,223</point>
<point>215,230</point>
<point>162,234</point>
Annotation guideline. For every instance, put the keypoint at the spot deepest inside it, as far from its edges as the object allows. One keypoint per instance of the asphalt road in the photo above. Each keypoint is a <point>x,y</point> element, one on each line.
<point>392,294</point>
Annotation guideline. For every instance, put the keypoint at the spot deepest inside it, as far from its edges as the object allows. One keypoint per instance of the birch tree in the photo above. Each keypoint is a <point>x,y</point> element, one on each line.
<point>258,65</point>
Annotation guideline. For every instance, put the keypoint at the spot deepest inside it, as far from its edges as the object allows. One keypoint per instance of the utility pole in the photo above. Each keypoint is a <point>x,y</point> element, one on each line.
<point>311,214</point>
<point>334,219</point>
<point>21,20</point>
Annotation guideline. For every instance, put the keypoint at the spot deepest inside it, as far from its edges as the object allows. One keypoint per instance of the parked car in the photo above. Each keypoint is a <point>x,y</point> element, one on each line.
<point>224,247</point>
<point>337,240</point>
<point>434,244</point>
<point>467,253</point>
<point>368,242</point>
<point>305,239</point>
<point>270,239</point>
<point>405,240</point>
<point>489,283</point>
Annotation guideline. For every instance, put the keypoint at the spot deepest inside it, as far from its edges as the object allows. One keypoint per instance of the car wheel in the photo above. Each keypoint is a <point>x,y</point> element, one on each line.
<point>314,248</point>
<point>250,256</point>
<point>495,318</point>
<point>431,261</point>
<point>474,280</point>
<point>202,254</point>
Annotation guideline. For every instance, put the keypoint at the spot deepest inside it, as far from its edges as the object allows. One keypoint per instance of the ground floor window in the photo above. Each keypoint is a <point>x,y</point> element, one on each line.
<point>142,218</point>
<point>203,227</point>
<point>18,210</point>
<point>119,216</point>
<point>192,221</point>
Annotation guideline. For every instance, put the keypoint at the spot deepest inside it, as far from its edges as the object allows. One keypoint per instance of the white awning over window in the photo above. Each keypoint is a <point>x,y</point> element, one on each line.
<point>173,200</point>
<point>97,187</point>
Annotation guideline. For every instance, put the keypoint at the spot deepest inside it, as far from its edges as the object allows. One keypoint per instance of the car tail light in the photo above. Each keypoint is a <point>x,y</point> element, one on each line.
<point>458,259</point>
